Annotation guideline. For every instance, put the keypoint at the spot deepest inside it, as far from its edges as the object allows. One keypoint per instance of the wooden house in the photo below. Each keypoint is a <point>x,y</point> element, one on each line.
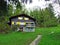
<point>25,22</point>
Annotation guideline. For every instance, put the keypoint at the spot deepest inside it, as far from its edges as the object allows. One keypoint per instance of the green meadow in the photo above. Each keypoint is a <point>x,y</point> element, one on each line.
<point>50,36</point>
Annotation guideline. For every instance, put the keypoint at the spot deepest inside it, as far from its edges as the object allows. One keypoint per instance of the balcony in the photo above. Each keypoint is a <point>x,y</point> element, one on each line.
<point>30,25</point>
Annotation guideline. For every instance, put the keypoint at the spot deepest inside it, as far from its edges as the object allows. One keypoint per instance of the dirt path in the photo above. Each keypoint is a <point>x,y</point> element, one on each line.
<point>36,41</point>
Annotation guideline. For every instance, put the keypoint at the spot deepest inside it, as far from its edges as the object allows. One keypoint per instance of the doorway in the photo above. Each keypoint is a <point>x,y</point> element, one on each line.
<point>21,29</point>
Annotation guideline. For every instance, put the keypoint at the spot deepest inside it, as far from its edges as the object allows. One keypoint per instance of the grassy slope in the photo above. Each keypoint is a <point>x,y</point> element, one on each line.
<point>17,38</point>
<point>49,38</point>
<point>22,38</point>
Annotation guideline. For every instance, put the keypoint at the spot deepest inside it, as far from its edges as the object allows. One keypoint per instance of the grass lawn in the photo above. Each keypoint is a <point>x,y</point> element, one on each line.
<point>49,38</point>
<point>24,38</point>
<point>16,38</point>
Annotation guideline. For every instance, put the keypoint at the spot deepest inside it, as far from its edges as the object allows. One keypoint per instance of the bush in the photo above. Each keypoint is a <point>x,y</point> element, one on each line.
<point>4,28</point>
<point>14,27</point>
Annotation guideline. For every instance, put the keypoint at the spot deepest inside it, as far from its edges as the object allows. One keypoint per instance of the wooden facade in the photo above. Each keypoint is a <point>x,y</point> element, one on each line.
<point>25,22</point>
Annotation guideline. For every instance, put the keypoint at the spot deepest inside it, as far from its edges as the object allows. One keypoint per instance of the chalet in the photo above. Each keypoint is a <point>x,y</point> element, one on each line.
<point>25,22</point>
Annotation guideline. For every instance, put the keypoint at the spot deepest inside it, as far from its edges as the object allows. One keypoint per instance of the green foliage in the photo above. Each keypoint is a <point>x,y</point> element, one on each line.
<point>44,18</point>
<point>18,8</point>
<point>4,15</point>
<point>58,19</point>
<point>14,27</point>
<point>4,28</point>
<point>10,10</point>
<point>50,19</point>
<point>19,5</point>
<point>37,15</point>
<point>3,8</point>
<point>13,12</point>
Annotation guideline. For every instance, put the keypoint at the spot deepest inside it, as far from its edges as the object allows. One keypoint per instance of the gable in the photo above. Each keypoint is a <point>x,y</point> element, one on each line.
<point>22,17</point>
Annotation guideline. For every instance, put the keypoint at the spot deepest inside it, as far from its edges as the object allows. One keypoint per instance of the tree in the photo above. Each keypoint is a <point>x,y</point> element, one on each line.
<point>7,9</point>
<point>38,15</point>
<point>14,8</point>
<point>3,8</point>
<point>49,18</point>
<point>18,8</point>
<point>58,19</point>
<point>44,18</point>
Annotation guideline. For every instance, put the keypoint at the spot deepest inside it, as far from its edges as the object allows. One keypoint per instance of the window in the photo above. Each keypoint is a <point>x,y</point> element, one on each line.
<point>22,23</point>
<point>29,28</point>
<point>18,23</point>
<point>32,28</point>
<point>12,22</point>
<point>20,18</point>
<point>26,18</point>
<point>32,24</point>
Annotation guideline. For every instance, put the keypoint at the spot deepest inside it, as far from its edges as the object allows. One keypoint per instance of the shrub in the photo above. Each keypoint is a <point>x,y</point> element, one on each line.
<point>14,27</point>
<point>4,28</point>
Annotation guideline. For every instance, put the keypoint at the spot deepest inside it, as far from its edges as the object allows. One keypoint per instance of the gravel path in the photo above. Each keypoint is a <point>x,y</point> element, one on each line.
<point>36,41</point>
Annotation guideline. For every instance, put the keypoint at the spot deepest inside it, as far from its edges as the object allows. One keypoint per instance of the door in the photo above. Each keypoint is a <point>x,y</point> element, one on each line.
<point>21,28</point>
